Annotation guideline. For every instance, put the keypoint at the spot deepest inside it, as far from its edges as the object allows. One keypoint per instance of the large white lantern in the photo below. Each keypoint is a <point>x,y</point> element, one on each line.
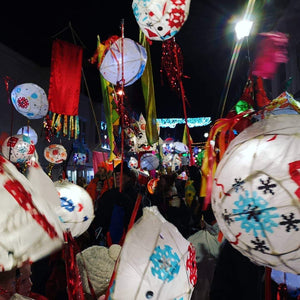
<point>29,131</point>
<point>76,210</point>
<point>160,19</point>
<point>131,54</point>
<point>256,193</point>
<point>55,153</point>
<point>30,100</point>
<point>18,148</point>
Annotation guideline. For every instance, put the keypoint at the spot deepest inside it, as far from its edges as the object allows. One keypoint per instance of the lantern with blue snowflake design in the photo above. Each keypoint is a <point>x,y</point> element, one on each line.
<point>76,211</point>
<point>256,193</point>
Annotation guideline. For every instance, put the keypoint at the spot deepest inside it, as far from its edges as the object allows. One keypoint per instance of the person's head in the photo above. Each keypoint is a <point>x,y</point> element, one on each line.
<point>24,282</point>
<point>126,176</point>
<point>8,284</point>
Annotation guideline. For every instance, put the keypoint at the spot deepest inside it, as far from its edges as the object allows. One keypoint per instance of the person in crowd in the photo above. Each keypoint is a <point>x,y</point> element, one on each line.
<point>8,283</point>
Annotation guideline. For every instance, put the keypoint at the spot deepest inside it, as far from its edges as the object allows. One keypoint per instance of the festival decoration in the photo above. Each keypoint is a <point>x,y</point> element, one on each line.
<point>64,88</point>
<point>156,261</point>
<point>30,132</point>
<point>172,161</point>
<point>192,122</point>
<point>55,153</point>
<point>76,211</point>
<point>26,207</point>
<point>30,100</point>
<point>133,163</point>
<point>151,185</point>
<point>255,192</point>
<point>160,19</point>
<point>80,158</point>
<point>149,162</point>
<point>271,51</point>
<point>180,147</point>
<point>18,148</point>
<point>125,60</point>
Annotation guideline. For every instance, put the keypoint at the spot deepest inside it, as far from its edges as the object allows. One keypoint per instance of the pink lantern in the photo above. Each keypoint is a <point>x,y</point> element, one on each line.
<point>134,62</point>
<point>256,194</point>
<point>160,19</point>
<point>18,148</point>
<point>55,153</point>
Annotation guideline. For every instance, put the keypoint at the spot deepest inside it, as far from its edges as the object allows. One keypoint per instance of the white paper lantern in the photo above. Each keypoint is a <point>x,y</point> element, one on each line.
<point>30,229</point>
<point>134,62</point>
<point>149,162</point>
<point>18,148</point>
<point>30,100</point>
<point>180,147</point>
<point>256,194</point>
<point>160,19</point>
<point>29,131</point>
<point>155,262</point>
<point>133,163</point>
<point>55,153</point>
<point>76,211</point>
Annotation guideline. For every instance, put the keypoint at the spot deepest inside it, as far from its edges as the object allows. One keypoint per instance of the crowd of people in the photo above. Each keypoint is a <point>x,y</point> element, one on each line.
<point>223,272</point>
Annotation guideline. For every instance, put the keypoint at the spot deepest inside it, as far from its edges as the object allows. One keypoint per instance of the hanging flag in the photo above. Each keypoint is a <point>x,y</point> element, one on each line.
<point>64,88</point>
<point>149,95</point>
<point>185,137</point>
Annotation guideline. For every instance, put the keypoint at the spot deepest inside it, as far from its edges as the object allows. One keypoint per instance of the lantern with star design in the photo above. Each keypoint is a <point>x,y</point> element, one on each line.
<point>76,211</point>
<point>256,194</point>
<point>160,19</point>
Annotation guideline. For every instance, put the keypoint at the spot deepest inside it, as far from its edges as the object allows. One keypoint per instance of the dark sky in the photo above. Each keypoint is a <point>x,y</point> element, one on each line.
<point>206,40</point>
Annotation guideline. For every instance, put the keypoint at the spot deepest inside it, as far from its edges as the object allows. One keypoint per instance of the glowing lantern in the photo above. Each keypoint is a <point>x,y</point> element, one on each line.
<point>255,194</point>
<point>18,148</point>
<point>155,262</point>
<point>160,19</point>
<point>134,62</point>
<point>133,163</point>
<point>55,153</point>
<point>30,229</point>
<point>30,100</point>
<point>149,162</point>
<point>29,131</point>
<point>180,147</point>
<point>76,211</point>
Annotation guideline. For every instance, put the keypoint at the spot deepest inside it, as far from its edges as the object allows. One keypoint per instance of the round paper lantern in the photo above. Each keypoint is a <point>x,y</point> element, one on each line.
<point>134,62</point>
<point>160,19</point>
<point>55,153</point>
<point>133,163</point>
<point>18,148</point>
<point>76,211</point>
<point>180,147</point>
<point>256,194</point>
<point>30,100</point>
<point>29,131</point>
<point>149,162</point>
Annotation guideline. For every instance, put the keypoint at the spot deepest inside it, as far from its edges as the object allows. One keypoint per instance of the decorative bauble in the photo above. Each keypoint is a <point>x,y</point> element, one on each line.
<point>76,211</point>
<point>30,100</point>
<point>256,194</point>
<point>29,131</point>
<point>160,19</point>
<point>55,153</point>
<point>18,148</point>
<point>124,62</point>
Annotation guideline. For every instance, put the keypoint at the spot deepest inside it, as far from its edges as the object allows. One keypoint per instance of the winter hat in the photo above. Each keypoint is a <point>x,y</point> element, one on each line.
<point>97,263</point>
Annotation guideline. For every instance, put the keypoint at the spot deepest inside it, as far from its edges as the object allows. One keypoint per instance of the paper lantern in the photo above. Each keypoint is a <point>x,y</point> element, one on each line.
<point>134,62</point>
<point>160,19</point>
<point>76,210</point>
<point>255,194</point>
<point>30,100</point>
<point>180,147</point>
<point>149,162</point>
<point>29,131</point>
<point>156,261</point>
<point>30,229</point>
<point>55,153</point>
<point>292,281</point>
<point>133,163</point>
<point>18,148</point>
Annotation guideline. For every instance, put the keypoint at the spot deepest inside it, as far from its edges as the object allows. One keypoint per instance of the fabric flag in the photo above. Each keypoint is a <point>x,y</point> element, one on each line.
<point>111,115</point>
<point>64,88</point>
<point>149,95</point>
<point>185,138</point>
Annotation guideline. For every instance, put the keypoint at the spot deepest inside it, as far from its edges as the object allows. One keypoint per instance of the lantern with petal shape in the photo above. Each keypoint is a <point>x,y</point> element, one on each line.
<point>160,19</point>
<point>55,153</point>
<point>18,148</point>
<point>30,100</point>
<point>134,62</point>
<point>156,261</point>
<point>76,211</point>
<point>30,229</point>
<point>256,194</point>
<point>29,131</point>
